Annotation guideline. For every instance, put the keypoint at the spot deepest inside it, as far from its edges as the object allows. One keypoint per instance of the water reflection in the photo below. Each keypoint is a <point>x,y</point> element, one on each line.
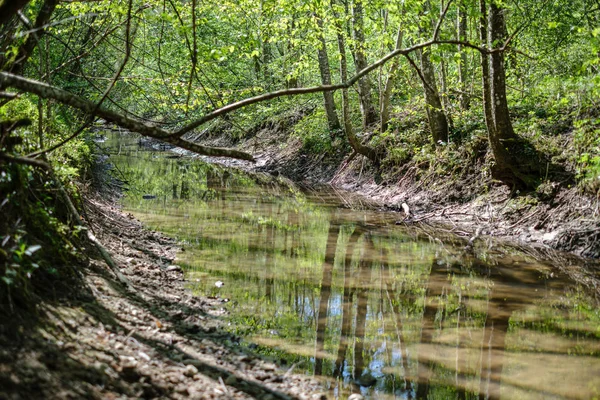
<point>372,307</point>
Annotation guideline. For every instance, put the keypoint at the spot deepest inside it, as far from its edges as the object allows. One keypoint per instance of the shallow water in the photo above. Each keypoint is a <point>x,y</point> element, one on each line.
<point>374,308</point>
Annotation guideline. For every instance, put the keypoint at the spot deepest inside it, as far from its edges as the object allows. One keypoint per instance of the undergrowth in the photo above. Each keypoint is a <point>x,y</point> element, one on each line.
<point>39,243</point>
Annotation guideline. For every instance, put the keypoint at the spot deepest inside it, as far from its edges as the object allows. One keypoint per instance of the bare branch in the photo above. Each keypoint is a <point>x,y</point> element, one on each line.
<point>419,72</point>
<point>436,31</point>
<point>25,160</point>
<point>7,95</point>
<point>51,92</point>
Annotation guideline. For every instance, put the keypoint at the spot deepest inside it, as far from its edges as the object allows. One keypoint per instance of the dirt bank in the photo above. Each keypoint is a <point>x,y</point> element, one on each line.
<point>556,216</point>
<point>155,340</point>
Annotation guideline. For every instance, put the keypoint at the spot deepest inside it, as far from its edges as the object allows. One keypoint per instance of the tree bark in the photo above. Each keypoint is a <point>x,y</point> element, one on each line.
<point>8,9</point>
<point>364,84</point>
<point>389,84</point>
<point>512,165</point>
<point>51,92</point>
<point>332,118</point>
<point>438,124</point>
<point>462,68</point>
<point>355,143</point>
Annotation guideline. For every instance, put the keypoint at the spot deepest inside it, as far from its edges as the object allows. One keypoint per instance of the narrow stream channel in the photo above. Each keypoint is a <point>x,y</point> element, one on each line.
<point>384,310</point>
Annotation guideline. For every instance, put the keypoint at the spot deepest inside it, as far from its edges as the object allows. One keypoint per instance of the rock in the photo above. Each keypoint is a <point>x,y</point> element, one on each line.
<point>219,284</point>
<point>190,371</point>
<point>355,396</point>
<point>173,268</point>
<point>193,362</point>
<point>231,380</point>
<point>269,367</point>
<point>182,389</point>
<point>262,376</point>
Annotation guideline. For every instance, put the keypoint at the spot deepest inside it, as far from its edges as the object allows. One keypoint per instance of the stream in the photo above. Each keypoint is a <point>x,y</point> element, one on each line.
<point>323,283</point>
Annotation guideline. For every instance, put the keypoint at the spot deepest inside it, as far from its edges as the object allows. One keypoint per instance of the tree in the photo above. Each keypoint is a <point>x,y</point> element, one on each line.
<point>324,69</point>
<point>438,124</point>
<point>360,59</point>
<point>512,165</point>
<point>461,24</point>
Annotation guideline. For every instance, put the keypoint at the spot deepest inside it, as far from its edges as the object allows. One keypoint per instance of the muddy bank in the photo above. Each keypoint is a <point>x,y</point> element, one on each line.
<point>556,216</point>
<point>155,340</point>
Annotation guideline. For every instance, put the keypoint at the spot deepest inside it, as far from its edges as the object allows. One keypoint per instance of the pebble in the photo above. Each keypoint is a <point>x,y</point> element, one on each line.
<point>190,371</point>
<point>173,268</point>
<point>144,356</point>
<point>182,389</point>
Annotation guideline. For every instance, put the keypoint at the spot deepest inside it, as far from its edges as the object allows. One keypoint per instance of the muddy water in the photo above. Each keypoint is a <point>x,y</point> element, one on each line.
<point>385,310</point>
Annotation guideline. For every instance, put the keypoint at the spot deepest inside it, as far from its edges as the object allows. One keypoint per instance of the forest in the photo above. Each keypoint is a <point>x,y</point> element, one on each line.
<point>483,115</point>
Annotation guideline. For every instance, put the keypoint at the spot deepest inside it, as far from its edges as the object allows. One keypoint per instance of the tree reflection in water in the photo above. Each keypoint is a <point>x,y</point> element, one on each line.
<point>348,295</point>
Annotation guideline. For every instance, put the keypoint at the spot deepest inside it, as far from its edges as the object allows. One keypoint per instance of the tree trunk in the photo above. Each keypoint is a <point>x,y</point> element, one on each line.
<point>512,165</point>
<point>462,68</point>
<point>389,84</point>
<point>332,117</point>
<point>438,124</point>
<point>25,50</point>
<point>485,68</point>
<point>348,129</point>
<point>364,84</point>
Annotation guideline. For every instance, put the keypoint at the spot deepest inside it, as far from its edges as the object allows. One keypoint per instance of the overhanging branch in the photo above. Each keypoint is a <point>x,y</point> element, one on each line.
<point>51,92</point>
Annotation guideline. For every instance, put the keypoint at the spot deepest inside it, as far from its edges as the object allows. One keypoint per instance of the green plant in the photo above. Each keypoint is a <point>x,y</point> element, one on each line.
<point>314,133</point>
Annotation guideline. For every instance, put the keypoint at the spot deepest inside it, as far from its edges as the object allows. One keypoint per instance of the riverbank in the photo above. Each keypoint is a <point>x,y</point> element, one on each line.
<point>151,340</point>
<point>441,188</point>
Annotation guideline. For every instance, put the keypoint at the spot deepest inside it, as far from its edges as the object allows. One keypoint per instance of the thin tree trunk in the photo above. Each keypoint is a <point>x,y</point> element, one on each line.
<point>293,81</point>
<point>389,84</point>
<point>438,124</point>
<point>364,84</point>
<point>355,143</point>
<point>444,85</point>
<point>25,50</point>
<point>485,69</point>
<point>462,68</point>
<point>504,128</point>
<point>332,117</point>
